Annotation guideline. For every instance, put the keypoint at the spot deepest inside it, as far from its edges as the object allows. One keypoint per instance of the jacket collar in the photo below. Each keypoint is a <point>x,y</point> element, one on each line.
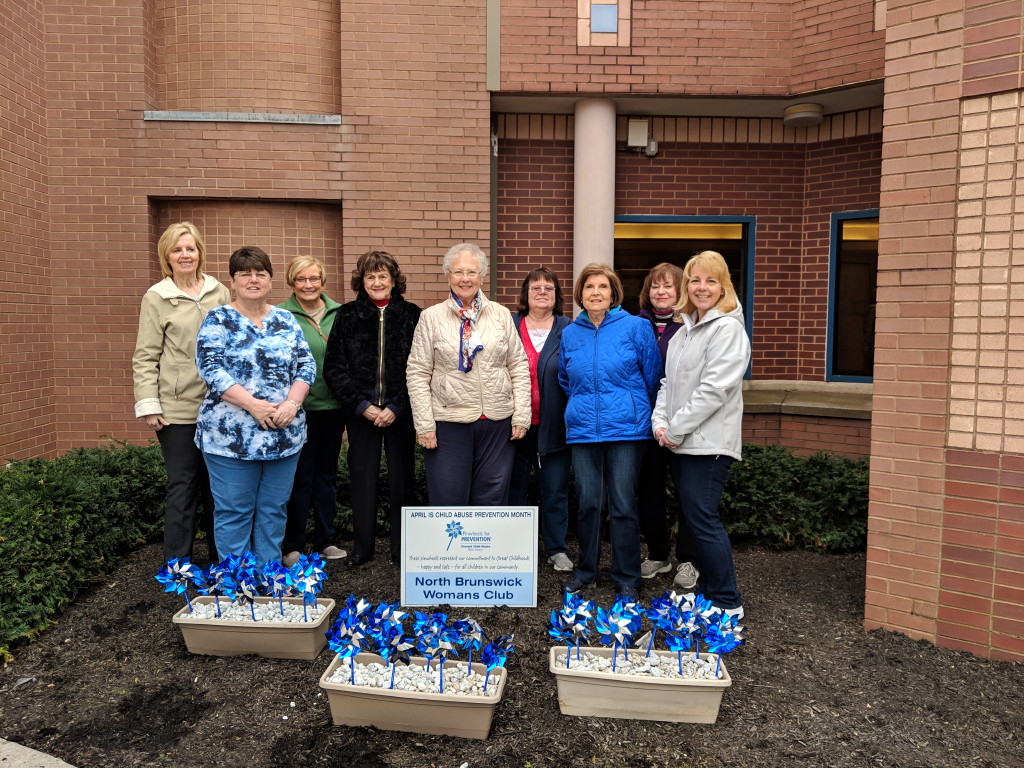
<point>166,289</point>
<point>611,316</point>
<point>292,304</point>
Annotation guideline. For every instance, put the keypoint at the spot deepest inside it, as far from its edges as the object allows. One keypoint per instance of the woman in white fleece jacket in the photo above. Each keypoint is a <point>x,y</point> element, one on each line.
<point>699,416</point>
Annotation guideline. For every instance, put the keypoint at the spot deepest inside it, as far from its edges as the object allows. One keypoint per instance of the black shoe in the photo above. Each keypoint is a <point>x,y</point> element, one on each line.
<point>575,585</point>
<point>356,560</point>
<point>629,593</point>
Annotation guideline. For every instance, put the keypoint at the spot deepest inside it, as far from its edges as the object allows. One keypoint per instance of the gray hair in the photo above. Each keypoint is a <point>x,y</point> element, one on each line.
<point>473,250</point>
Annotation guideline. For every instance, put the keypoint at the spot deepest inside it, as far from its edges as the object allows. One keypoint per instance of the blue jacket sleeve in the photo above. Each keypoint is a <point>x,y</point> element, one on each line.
<point>563,361</point>
<point>651,364</point>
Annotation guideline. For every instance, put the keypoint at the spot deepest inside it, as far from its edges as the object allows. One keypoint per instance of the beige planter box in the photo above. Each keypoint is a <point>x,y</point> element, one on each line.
<point>442,714</point>
<point>637,697</point>
<point>272,639</point>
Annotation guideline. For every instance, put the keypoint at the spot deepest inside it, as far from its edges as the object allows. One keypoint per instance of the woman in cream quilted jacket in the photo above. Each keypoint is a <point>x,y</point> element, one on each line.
<point>469,385</point>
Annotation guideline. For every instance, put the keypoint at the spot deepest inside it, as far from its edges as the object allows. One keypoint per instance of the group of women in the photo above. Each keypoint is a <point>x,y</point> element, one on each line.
<point>250,401</point>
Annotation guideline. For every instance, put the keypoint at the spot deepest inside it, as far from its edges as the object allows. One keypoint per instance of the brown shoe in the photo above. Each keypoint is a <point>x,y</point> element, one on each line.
<point>333,553</point>
<point>290,559</point>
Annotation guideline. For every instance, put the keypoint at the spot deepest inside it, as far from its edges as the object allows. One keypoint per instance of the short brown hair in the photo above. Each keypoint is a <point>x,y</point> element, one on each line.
<point>663,271</point>
<point>540,273</point>
<point>250,257</point>
<point>374,261</point>
<point>598,269</point>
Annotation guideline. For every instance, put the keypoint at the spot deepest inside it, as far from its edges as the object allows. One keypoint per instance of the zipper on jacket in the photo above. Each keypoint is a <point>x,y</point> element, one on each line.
<point>597,386</point>
<point>380,360</point>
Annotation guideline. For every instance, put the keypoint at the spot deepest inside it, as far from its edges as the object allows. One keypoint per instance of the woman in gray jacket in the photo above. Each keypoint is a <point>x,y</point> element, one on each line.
<point>699,416</point>
<point>168,390</point>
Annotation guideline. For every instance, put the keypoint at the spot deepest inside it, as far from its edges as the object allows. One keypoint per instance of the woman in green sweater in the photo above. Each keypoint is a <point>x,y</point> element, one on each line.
<point>317,471</point>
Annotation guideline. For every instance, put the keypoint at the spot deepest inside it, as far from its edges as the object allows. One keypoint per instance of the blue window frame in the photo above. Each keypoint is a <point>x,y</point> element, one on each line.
<point>852,282</point>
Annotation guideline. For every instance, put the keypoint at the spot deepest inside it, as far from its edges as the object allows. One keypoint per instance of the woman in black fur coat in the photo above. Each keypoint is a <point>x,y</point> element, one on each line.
<point>365,369</point>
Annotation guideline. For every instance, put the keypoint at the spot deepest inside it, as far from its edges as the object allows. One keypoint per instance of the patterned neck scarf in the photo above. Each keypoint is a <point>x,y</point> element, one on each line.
<point>469,342</point>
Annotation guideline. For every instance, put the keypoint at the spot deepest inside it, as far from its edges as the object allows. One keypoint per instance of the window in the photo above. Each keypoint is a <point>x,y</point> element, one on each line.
<point>603,23</point>
<point>853,267</point>
<point>641,242</point>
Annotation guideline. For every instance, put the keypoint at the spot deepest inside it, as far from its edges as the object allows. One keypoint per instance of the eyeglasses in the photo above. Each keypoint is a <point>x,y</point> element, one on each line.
<point>470,273</point>
<point>542,289</point>
<point>307,280</point>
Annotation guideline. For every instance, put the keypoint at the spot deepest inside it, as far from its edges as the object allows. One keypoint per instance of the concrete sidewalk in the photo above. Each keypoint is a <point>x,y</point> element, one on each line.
<point>16,756</point>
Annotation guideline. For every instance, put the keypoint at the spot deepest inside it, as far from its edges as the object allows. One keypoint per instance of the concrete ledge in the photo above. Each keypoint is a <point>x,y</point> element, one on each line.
<point>13,755</point>
<point>238,117</point>
<point>827,399</point>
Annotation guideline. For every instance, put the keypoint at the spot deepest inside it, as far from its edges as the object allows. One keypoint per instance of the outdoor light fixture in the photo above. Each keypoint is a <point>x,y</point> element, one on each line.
<point>803,115</point>
<point>638,137</point>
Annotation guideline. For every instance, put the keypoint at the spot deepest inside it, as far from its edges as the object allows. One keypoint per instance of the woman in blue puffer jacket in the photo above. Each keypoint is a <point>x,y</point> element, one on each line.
<point>609,366</point>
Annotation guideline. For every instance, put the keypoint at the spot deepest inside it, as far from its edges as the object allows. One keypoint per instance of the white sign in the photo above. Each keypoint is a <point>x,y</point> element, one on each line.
<point>469,556</point>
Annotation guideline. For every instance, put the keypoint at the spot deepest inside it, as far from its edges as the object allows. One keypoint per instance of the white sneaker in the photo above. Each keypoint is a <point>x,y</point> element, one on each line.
<point>651,568</point>
<point>561,562</point>
<point>737,612</point>
<point>686,576</point>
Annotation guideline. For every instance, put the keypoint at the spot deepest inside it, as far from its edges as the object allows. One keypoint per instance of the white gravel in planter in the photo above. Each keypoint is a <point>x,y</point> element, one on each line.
<point>264,612</point>
<point>413,677</point>
<point>655,665</point>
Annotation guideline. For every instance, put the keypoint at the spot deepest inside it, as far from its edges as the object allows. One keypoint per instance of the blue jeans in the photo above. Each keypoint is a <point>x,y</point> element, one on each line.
<point>609,471</point>
<point>251,499</point>
<point>552,481</point>
<point>699,482</point>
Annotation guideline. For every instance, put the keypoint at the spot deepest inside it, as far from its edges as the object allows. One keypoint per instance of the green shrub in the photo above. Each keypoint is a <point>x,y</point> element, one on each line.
<point>66,522</point>
<point>777,499</point>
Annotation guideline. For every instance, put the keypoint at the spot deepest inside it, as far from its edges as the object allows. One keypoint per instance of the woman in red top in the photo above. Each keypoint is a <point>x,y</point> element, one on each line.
<point>540,322</point>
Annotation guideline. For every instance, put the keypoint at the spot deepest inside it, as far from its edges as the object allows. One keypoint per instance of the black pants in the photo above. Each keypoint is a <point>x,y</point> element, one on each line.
<point>365,442</point>
<point>653,508</point>
<point>472,464</point>
<point>315,482</point>
<point>187,485</point>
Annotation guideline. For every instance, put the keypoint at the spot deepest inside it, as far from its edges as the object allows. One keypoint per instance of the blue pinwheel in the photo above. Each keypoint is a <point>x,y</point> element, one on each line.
<point>471,637</point>
<point>306,578</point>
<point>680,641</point>
<point>496,654</point>
<point>275,580</point>
<point>614,627</point>
<point>177,575</point>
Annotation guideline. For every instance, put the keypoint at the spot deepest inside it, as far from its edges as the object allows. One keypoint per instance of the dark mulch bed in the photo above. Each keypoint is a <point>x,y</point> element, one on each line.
<point>112,685</point>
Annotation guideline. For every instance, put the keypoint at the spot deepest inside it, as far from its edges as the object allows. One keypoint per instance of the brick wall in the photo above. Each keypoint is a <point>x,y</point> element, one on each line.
<point>791,188</point>
<point>786,48</point>
<point>110,171</point>
<point>26,352</point>
<point>253,56</point>
<point>807,434</point>
<point>945,531</point>
<point>416,134</point>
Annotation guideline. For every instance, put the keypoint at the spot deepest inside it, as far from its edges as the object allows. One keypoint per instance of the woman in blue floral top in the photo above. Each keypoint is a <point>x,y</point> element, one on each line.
<point>258,369</point>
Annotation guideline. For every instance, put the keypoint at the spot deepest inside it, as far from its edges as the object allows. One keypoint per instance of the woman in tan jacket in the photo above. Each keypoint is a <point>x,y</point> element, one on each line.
<point>168,389</point>
<point>469,386</point>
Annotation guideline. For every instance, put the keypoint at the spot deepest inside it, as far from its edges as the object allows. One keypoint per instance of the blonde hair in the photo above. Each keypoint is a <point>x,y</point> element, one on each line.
<point>712,263</point>
<point>170,238</point>
<point>300,263</point>
<point>590,271</point>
